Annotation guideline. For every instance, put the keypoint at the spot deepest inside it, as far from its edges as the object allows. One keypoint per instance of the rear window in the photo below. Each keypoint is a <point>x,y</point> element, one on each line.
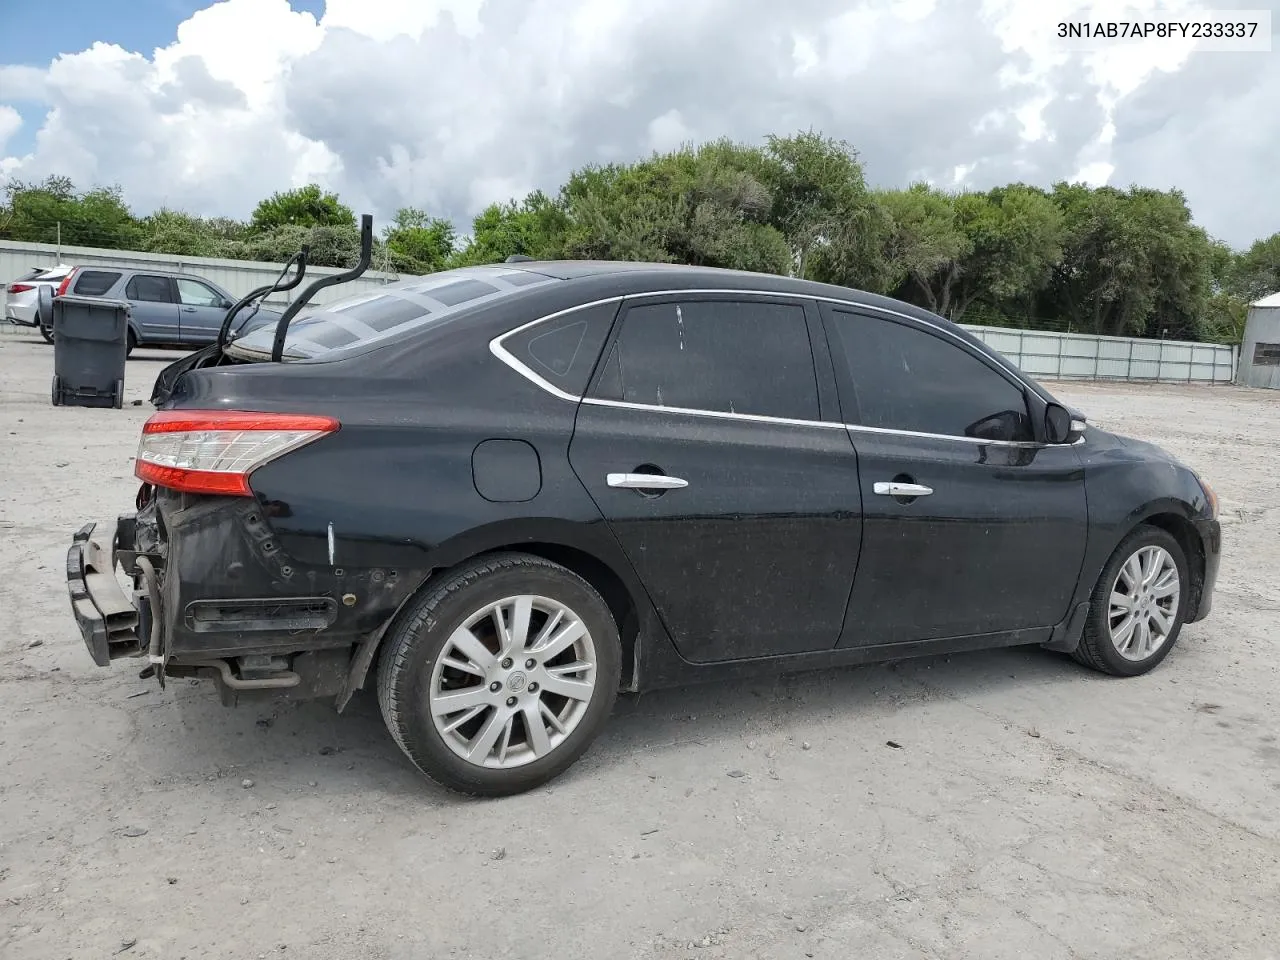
<point>393,310</point>
<point>94,283</point>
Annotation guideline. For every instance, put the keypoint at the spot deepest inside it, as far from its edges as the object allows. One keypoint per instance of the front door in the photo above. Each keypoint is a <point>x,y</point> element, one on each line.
<point>201,311</point>
<point>970,526</point>
<point>703,444</point>
<point>151,303</point>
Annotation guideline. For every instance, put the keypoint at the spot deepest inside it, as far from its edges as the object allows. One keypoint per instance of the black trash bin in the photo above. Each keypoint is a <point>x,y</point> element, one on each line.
<point>90,344</point>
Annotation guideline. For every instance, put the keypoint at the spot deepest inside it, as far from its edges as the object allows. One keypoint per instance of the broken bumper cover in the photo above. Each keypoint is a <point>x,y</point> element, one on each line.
<point>107,619</point>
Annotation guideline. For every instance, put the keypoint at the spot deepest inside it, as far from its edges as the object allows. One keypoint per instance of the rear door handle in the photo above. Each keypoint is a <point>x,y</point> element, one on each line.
<point>645,481</point>
<point>895,489</point>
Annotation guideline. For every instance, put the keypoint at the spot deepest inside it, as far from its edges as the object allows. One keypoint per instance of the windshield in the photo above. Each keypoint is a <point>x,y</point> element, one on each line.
<point>333,329</point>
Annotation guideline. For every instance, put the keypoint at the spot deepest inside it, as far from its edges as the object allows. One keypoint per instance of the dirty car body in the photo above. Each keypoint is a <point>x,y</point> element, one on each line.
<point>697,473</point>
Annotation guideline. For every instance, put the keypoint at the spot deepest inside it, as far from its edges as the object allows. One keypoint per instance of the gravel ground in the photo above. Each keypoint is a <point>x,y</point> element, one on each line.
<point>989,805</point>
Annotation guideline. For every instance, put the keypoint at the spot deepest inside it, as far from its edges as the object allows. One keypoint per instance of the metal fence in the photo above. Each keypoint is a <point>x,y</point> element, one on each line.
<point>237,277</point>
<point>1079,356</point>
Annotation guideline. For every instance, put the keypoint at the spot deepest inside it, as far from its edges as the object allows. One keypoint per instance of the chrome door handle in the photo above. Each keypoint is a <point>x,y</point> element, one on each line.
<point>645,481</point>
<point>902,489</point>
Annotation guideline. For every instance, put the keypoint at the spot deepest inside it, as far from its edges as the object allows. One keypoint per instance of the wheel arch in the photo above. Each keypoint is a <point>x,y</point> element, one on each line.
<point>564,544</point>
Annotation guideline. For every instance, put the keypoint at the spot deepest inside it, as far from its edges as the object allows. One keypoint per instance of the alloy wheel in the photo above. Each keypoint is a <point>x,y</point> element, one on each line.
<point>513,681</point>
<point>1144,603</point>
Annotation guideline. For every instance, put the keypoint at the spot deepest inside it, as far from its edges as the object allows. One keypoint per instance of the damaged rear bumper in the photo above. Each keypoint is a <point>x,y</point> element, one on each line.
<point>107,618</point>
<point>216,595</point>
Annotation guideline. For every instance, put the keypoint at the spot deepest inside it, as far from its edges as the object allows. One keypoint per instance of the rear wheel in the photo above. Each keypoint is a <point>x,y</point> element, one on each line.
<point>1138,605</point>
<point>57,391</point>
<point>46,332</point>
<point>131,343</point>
<point>499,676</point>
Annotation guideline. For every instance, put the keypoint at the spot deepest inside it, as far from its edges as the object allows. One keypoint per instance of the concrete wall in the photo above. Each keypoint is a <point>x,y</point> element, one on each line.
<point>1078,356</point>
<point>1263,326</point>
<point>236,276</point>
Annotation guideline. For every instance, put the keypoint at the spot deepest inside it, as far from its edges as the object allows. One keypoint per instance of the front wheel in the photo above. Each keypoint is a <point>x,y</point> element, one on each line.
<point>499,676</point>
<point>1138,605</point>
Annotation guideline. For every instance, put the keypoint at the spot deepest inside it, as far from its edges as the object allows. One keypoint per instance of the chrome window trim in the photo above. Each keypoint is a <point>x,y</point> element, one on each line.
<point>497,348</point>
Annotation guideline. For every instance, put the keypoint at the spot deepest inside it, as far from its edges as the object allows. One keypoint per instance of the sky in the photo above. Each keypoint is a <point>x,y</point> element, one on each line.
<point>449,105</point>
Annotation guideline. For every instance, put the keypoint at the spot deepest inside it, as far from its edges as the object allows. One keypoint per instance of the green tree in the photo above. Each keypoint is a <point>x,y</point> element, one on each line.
<point>821,205</point>
<point>53,211</point>
<point>304,207</point>
<point>1255,273</point>
<point>924,245</point>
<point>705,206</point>
<point>533,227</point>
<point>1133,262</point>
<point>418,243</point>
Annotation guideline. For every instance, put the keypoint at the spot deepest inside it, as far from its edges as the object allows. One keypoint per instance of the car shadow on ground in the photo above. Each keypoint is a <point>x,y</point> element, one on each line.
<point>309,745</point>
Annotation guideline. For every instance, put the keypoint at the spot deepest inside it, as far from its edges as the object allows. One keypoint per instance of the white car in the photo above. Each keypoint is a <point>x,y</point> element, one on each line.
<point>20,295</point>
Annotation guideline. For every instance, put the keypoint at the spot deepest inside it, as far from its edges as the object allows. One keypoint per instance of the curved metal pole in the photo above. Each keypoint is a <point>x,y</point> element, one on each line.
<point>366,257</point>
<point>300,258</point>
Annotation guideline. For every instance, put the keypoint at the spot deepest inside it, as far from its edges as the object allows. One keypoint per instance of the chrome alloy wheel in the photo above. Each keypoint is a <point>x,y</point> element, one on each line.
<point>512,683</point>
<point>1144,603</point>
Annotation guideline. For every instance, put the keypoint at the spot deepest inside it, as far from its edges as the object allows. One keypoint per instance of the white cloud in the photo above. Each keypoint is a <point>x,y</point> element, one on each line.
<point>10,123</point>
<point>451,104</point>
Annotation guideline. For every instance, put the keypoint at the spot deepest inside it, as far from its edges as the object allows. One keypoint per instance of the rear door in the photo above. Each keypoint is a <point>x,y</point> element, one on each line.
<point>971,527</point>
<point>151,299</point>
<point>201,310</point>
<point>732,488</point>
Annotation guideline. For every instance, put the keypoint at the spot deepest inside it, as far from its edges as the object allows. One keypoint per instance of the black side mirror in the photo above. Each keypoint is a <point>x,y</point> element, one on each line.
<point>1060,426</point>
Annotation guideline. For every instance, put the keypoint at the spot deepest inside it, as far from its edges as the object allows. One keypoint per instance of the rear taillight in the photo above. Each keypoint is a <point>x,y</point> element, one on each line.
<point>210,451</point>
<point>65,285</point>
<point>20,287</point>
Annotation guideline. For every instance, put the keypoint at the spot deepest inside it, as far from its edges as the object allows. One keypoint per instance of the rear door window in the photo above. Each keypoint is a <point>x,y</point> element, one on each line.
<point>94,283</point>
<point>149,289</point>
<point>722,355</point>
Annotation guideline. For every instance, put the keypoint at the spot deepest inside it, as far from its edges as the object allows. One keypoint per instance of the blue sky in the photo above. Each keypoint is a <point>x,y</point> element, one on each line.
<point>34,34</point>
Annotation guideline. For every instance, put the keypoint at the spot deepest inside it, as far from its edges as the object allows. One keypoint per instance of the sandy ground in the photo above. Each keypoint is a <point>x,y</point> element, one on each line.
<point>1031,808</point>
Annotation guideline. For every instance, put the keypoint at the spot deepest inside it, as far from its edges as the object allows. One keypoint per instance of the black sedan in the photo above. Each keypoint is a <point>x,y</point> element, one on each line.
<point>500,495</point>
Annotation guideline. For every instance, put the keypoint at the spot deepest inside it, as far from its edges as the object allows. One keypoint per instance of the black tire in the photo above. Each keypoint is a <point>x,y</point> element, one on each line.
<point>131,343</point>
<point>57,391</point>
<point>1097,649</point>
<point>117,395</point>
<point>46,332</point>
<point>421,634</point>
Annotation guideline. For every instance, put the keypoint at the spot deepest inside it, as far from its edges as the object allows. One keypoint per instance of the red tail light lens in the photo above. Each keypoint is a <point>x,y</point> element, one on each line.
<point>20,287</point>
<point>210,451</point>
<point>65,285</point>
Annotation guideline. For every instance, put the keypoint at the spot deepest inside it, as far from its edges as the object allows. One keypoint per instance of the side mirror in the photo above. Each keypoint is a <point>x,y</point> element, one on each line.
<point>1060,426</point>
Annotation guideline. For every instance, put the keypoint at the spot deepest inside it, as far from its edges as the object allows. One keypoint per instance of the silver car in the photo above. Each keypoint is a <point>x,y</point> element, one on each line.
<point>21,294</point>
<point>165,309</point>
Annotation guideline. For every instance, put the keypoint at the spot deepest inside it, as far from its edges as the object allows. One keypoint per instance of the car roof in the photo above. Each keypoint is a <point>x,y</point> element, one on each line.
<point>121,268</point>
<point>638,276</point>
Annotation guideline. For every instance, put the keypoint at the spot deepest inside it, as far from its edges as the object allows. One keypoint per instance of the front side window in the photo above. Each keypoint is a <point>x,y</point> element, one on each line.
<point>727,356</point>
<point>193,293</point>
<point>149,289</point>
<point>906,378</point>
